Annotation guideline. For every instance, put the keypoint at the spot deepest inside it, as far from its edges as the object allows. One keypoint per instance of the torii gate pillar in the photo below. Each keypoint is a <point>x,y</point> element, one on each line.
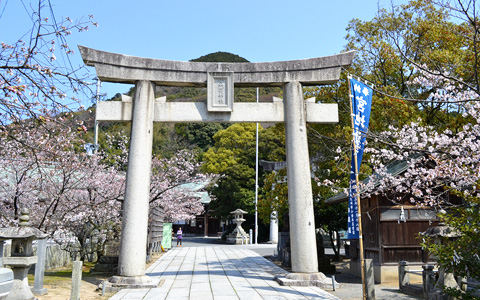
<point>132,260</point>
<point>300,202</point>
<point>144,109</point>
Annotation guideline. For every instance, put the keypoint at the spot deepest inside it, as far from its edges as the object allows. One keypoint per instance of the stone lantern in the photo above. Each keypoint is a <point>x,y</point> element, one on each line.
<point>439,234</point>
<point>238,236</point>
<point>22,255</point>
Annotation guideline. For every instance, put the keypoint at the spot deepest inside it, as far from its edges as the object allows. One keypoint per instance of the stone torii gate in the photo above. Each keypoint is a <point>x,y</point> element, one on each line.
<point>220,80</point>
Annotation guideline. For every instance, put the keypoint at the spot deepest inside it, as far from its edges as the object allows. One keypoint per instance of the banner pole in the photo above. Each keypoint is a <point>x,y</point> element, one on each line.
<point>359,207</point>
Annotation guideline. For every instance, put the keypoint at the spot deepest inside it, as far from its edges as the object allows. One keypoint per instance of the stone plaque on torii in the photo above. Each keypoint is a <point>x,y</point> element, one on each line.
<point>220,79</point>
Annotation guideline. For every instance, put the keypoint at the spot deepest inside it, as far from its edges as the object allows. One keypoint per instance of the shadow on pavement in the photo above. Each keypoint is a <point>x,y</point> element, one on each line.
<point>198,241</point>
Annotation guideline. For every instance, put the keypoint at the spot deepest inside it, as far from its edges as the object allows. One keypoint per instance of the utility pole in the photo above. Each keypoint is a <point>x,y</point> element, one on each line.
<point>97,99</point>
<point>256,183</point>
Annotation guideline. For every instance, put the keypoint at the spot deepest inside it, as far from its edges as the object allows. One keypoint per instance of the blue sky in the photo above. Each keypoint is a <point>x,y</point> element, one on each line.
<point>261,30</point>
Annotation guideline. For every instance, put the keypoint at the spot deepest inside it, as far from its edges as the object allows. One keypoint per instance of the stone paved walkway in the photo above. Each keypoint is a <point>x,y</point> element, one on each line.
<point>220,272</point>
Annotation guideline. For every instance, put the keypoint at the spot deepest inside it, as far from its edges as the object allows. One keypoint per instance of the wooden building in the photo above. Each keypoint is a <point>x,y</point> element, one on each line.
<point>204,224</point>
<point>390,232</point>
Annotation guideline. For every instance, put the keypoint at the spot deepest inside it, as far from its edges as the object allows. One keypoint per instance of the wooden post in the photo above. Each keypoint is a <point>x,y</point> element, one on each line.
<point>359,208</point>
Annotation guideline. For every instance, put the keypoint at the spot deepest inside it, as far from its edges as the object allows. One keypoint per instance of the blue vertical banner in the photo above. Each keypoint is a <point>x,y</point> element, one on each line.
<point>361,98</point>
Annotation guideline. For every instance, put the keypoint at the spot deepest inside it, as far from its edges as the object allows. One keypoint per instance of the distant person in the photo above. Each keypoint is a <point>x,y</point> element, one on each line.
<point>179,236</point>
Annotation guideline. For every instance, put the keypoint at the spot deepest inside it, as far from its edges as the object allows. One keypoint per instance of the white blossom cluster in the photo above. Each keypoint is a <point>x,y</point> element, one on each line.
<point>437,162</point>
<point>73,196</point>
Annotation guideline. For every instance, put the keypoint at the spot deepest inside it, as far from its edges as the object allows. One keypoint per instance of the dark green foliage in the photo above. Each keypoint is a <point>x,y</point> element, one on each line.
<point>234,156</point>
<point>189,94</point>
<point>331,217</point>
<point>199,135</point>
<point>271,143</point>
<point>220,56</point>
<point>166,140</point>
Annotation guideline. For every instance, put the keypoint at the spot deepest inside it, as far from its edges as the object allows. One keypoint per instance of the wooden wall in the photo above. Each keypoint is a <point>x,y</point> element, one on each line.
<point>155,225</point>
<point>388,241</point>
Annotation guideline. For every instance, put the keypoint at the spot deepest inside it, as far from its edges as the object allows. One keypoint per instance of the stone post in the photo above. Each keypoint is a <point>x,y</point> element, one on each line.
<point>302,223</point>
<point>133,245</point>
<point>369,279</point>
<point>76,280</point>
<point>38,288</point>
<point>428,280</point>
<point>206,225</point>
<point>1,253</point>
<point>273,228</point>
<point>445,280</point>
<point>283,241</point>
<point>403,276</point>
<point>462,283</point>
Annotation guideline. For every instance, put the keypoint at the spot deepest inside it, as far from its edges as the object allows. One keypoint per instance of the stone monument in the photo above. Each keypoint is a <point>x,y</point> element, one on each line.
<point>38,288</point>
<point>220,79</point>
<point>238,236</point>
<point>108,262</point>
<point>21,256</point>
<point>440,234</point>
<point>274,166</point>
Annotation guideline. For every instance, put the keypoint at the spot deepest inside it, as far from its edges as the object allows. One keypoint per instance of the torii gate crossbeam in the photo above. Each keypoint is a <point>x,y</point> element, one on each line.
<point>144,109</point>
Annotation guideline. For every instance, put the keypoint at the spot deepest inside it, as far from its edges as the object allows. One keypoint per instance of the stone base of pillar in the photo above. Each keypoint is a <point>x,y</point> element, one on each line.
<point>39,292</point>
<point>306,279</point>
<point>116,283</point>
<point>238,239</point>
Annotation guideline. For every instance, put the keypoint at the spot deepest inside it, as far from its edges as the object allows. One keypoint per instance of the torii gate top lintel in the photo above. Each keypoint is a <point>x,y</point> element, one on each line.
<point>114,67</point>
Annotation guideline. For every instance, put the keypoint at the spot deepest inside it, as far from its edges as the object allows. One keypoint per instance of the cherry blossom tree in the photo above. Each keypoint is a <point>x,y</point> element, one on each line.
<point>37,78</point>
<point>441,165</point>
<point>71,196</point>
<point>439,161</point>
<point>174,180</point>
<point>76,198</point>
<point>169,188</point>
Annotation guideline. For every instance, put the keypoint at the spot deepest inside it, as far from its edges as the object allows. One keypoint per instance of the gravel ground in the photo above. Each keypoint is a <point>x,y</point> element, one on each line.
<point>351,287</point>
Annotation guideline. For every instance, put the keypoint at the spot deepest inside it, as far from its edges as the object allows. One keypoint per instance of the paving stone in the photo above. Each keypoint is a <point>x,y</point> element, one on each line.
<point>248,295</point>
<point>217,273</point>
<point>136,294</point>
<point>120,294</point>
<point>155,295</point>
<point>200,286</point>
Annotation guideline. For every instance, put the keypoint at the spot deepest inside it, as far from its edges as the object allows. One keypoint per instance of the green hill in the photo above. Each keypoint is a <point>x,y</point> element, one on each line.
<point>220,56</point>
